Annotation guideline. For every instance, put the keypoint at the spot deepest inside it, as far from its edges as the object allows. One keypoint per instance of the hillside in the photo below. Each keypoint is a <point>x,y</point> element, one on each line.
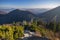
<point>51,15</point>
<point>17,15</point>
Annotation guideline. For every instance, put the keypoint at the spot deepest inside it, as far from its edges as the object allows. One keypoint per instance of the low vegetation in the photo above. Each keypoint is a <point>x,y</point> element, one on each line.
<point>16,30</point>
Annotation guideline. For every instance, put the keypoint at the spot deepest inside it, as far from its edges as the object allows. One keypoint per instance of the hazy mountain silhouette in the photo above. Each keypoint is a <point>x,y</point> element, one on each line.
<point>37,10</point>
<point>16,15</point>
<point>33,10</point>
<point>51,15</point>
<point>2,12</point>
<point>7,9</point>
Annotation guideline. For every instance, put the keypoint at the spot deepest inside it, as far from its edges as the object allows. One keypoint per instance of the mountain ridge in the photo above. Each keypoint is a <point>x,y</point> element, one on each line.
<point>48,16</point>
<point>17,15</point>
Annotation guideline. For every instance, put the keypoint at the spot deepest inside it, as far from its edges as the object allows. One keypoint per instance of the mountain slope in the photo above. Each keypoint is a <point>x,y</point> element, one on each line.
<point>17,15</point>
<point>51,15</point>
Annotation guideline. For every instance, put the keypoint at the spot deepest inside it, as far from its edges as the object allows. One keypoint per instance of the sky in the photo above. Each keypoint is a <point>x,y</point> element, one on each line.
<point>29,3</point>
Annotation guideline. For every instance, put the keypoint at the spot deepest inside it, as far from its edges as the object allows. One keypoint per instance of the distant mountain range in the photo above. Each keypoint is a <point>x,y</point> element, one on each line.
<point>2,12</point>
<point>21,15</point>
<point>6,9</point>
<point>35,11</point>
<point>51,15</point>
<point>17,15</point>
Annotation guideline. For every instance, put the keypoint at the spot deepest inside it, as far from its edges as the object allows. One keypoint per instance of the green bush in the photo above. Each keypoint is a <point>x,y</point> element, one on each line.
<point>11,32</point>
